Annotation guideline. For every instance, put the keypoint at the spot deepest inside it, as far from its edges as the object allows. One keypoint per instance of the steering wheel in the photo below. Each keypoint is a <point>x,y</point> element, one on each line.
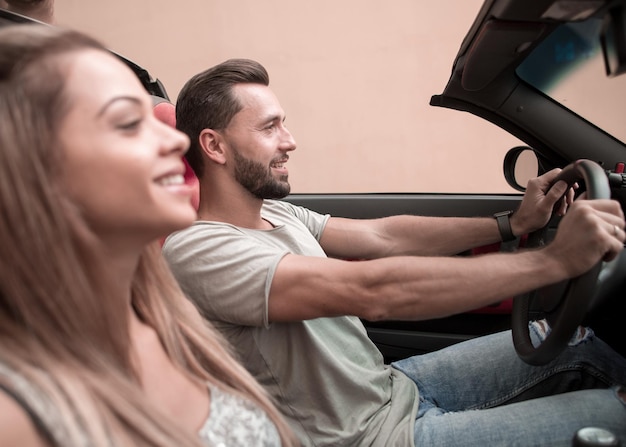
<point>564,311</point>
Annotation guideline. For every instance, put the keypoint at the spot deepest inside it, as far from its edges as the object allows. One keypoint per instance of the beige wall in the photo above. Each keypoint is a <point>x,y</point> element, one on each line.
<point>354,77</point>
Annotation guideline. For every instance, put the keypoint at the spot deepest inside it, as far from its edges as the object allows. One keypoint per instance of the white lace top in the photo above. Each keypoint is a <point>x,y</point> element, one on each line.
<point>235,422</point>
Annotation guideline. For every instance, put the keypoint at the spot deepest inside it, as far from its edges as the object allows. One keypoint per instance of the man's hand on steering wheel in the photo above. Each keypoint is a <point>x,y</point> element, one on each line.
<point>541,201</point>
<point>592,230</point>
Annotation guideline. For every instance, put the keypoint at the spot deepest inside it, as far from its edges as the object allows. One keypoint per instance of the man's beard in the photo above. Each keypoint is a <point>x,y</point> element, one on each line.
<point>258,179</point>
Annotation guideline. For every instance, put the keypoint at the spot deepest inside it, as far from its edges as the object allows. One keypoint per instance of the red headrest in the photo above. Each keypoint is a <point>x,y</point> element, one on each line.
<point>166,112</point>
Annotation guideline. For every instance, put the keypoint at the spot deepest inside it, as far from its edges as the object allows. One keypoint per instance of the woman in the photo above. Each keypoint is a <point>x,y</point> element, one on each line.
<point>98,345</point>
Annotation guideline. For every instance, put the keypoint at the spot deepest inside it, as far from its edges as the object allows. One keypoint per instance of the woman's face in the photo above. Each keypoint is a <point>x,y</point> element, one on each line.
<point>122,167</point>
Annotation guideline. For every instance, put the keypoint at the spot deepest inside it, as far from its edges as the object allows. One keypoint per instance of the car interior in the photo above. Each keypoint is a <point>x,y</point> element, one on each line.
<point>508,71</point>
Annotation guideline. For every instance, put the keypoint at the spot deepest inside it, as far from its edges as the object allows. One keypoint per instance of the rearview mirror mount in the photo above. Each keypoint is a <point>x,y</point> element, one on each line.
<point>613,41</point>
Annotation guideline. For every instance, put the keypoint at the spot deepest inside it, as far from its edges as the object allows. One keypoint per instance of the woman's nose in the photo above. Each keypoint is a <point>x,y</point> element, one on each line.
<point>175,140</point>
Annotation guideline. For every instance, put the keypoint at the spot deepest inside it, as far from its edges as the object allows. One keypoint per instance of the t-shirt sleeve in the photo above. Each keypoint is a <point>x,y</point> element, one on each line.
<point>225,273</point>
<point>314,221</point>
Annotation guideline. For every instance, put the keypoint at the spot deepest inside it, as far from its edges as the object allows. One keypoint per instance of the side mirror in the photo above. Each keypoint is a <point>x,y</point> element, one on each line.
<point>520,165</point>
<point>613,41</point>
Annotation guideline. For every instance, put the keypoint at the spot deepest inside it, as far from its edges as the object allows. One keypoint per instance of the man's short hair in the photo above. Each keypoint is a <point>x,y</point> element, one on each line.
<point>207,101</point>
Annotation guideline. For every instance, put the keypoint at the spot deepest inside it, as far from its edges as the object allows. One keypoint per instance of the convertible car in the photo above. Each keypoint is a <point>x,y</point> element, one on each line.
<point>550,72</point>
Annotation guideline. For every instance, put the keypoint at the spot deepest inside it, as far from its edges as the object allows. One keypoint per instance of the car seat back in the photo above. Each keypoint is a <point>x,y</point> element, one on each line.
<point>166,112</point>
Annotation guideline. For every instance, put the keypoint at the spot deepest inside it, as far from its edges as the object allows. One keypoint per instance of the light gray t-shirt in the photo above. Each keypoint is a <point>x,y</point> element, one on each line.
<point>326,375</point>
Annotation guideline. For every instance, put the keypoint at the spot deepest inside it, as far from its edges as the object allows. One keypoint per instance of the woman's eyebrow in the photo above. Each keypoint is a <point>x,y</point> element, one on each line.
<point>114,100</point>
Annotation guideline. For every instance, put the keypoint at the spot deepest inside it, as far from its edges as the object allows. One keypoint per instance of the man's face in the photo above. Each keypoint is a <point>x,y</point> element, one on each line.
<point>259,143</point>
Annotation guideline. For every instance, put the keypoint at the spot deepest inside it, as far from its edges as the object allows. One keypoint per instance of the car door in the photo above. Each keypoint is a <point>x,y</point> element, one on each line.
<point>399,339</point>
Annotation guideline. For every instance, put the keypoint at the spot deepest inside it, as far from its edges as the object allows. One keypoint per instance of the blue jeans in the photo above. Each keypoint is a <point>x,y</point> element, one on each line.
<point>479,393</point>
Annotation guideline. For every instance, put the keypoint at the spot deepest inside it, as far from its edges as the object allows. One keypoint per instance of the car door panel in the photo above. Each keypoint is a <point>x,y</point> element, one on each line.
<point>399,339</point>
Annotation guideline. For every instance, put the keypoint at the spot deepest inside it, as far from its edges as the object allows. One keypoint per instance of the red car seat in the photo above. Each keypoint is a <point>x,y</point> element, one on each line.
<point>166,112</point>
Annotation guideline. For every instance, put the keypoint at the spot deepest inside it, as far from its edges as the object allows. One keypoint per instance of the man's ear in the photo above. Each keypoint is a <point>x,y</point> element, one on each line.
<point>211,144</point>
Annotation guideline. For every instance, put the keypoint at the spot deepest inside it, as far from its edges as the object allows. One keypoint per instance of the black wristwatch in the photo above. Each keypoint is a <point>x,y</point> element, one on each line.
<point>503,218</point>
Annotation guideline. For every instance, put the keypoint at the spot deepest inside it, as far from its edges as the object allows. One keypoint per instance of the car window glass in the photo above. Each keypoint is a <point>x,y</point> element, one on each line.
<point>569,67</point>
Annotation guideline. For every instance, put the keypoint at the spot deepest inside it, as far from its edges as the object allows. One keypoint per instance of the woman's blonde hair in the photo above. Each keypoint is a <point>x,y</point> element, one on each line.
<point>60,331</point>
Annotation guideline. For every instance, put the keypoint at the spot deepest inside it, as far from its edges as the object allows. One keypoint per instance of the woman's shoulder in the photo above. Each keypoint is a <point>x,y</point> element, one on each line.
<point>16,426</point>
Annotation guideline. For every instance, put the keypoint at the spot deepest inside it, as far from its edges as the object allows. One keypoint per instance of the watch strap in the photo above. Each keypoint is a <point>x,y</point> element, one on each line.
<point>503,220</point>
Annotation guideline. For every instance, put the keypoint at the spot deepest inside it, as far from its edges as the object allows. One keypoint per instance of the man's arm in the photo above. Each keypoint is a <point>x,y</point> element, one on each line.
<point>415,288</point>
<point>406,235</point>
<point>434,236</point>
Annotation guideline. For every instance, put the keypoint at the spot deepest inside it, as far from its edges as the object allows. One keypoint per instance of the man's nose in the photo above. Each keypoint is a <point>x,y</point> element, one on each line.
<point>288,142</point>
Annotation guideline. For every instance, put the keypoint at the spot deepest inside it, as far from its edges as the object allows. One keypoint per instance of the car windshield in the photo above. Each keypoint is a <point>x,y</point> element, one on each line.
<point>569,68</point>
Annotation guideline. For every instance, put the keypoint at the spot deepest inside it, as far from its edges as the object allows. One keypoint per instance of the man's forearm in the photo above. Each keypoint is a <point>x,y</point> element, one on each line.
<point>437,236</point>
<point>415,288</point>
<point>404,287</point>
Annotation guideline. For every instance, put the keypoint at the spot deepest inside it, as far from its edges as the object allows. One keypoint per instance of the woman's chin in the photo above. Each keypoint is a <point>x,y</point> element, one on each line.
<point>183,220</point>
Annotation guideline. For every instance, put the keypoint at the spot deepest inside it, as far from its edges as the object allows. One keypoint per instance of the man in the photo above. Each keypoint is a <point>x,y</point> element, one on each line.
<point>269,275</point>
